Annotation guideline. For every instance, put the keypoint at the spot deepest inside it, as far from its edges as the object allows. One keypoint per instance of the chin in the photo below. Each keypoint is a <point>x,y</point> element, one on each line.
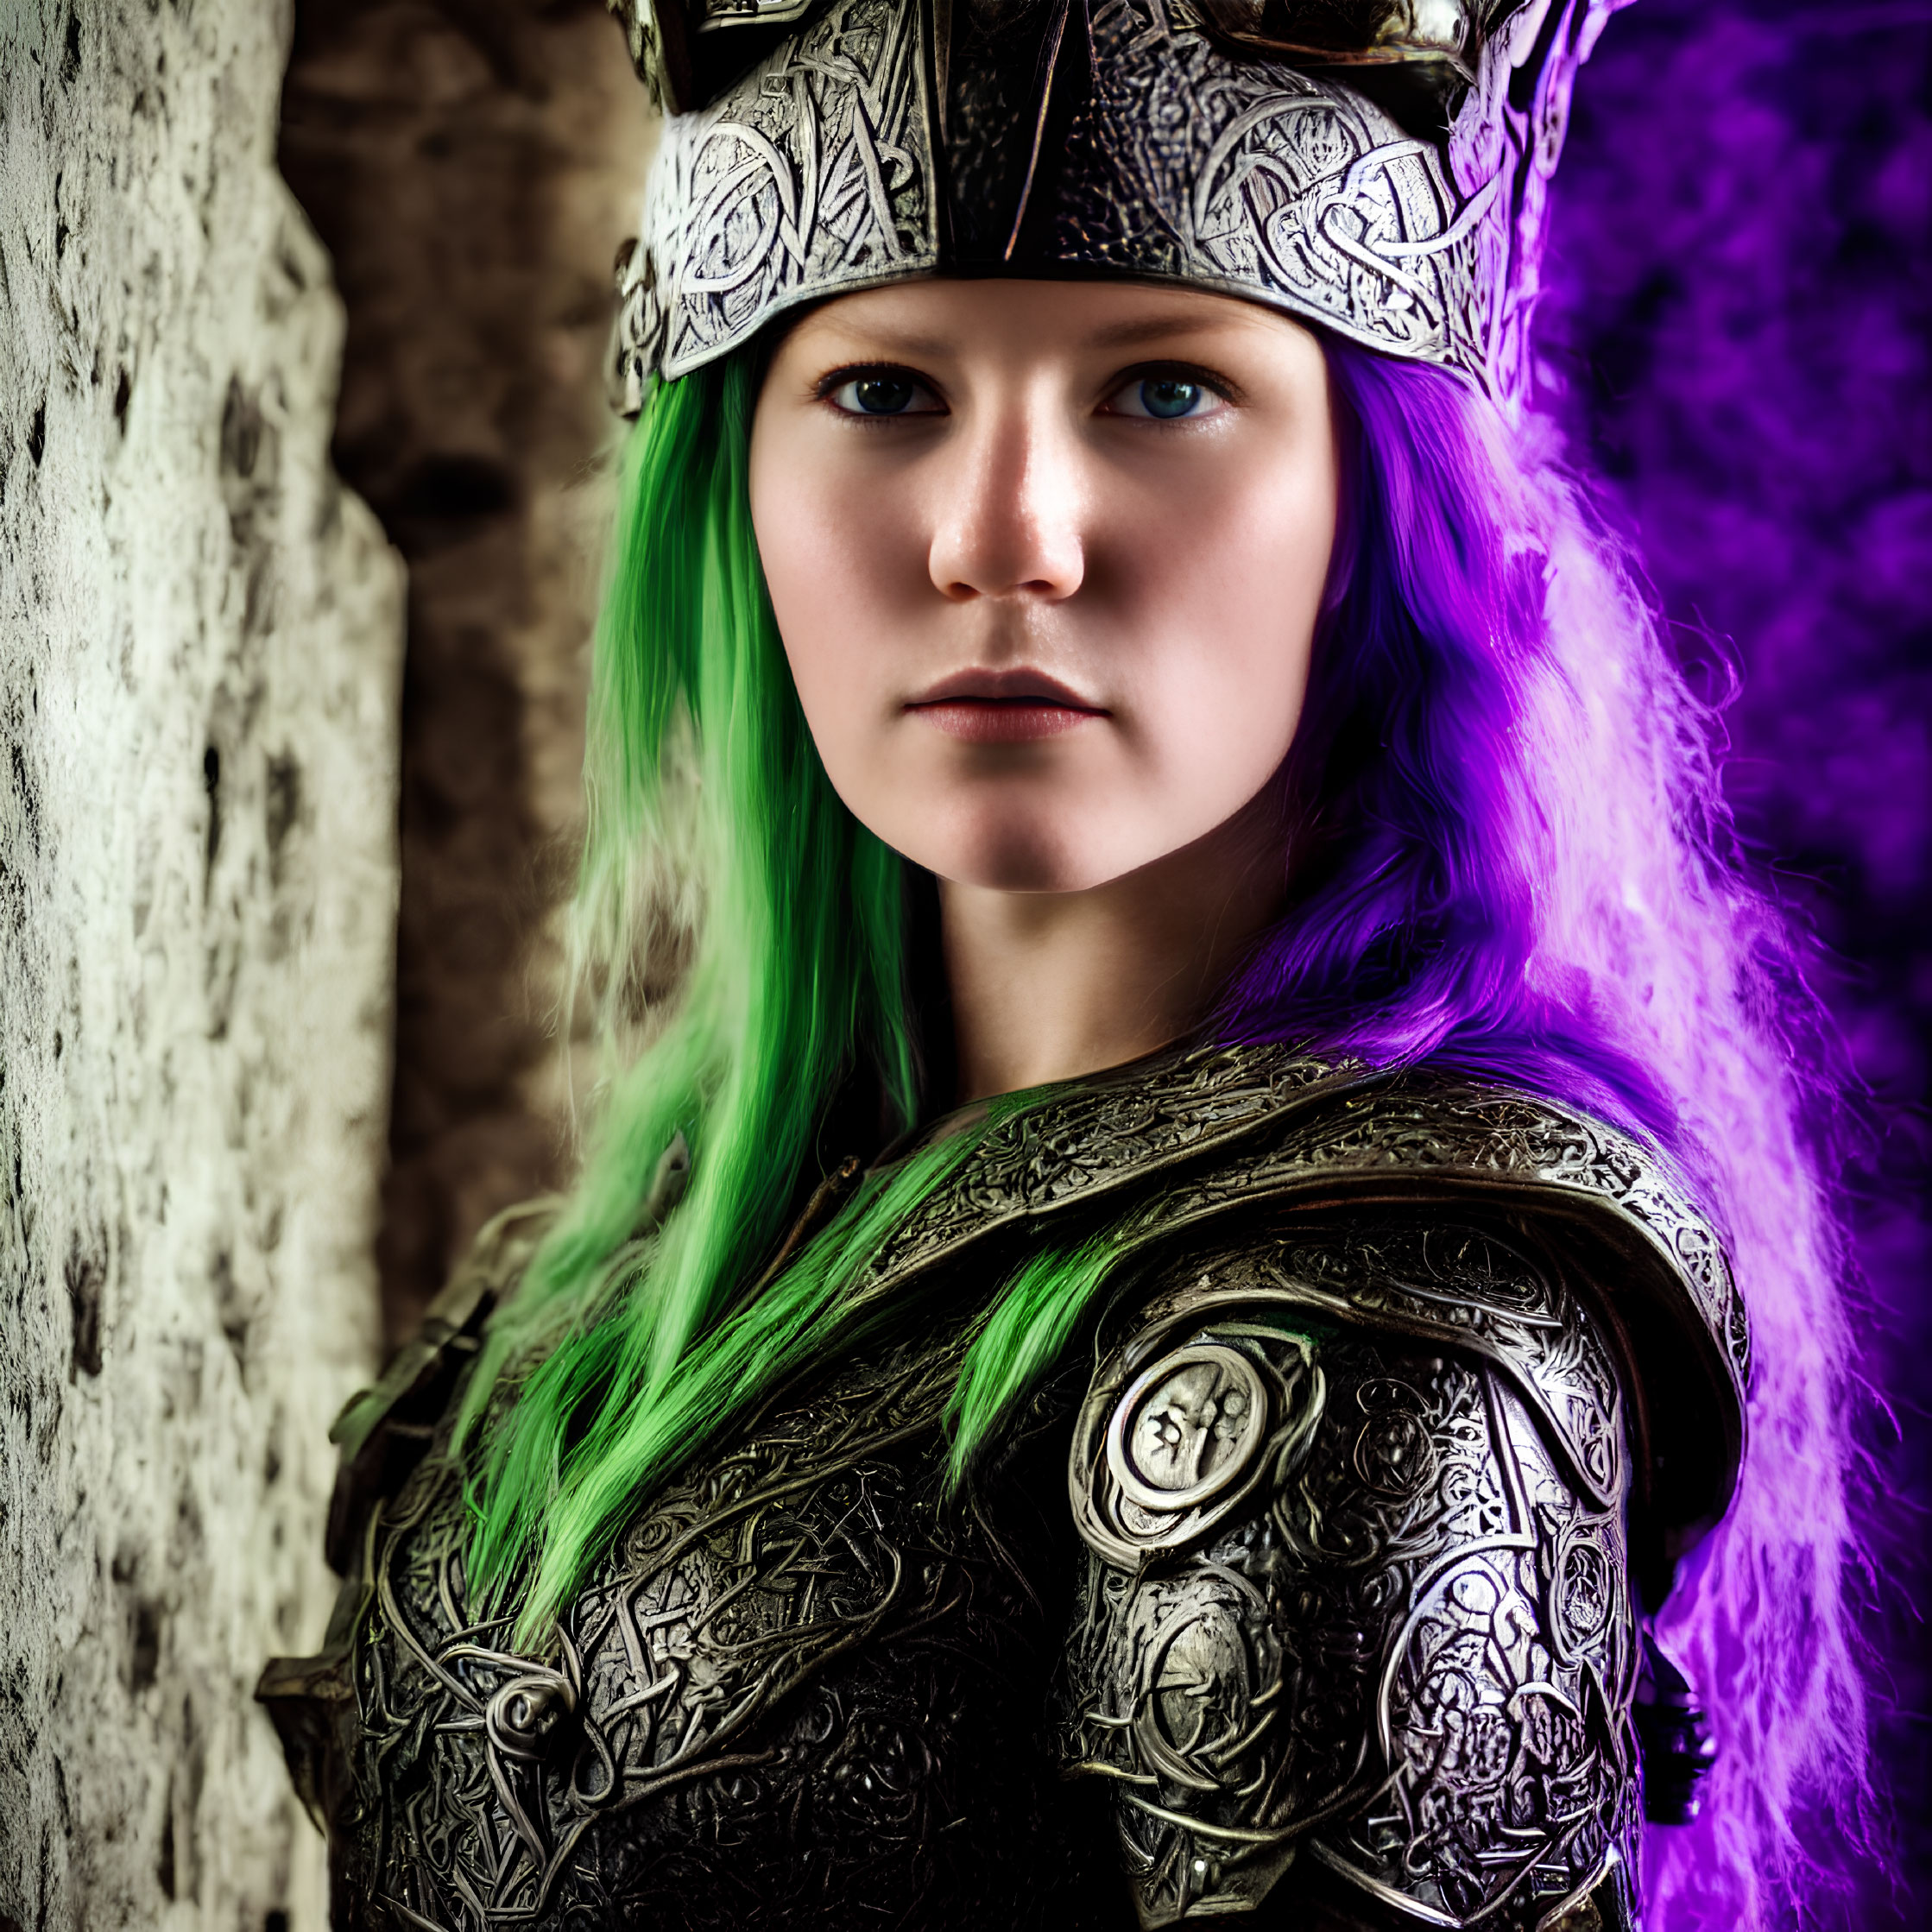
<point>1026,854</point>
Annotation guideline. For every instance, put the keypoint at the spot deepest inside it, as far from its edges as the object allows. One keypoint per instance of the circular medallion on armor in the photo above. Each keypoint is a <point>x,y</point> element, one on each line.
<point>1162,1453</point>
<point>1186,1429</point>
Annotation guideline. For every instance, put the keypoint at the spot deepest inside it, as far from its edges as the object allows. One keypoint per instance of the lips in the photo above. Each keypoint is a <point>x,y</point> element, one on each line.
<point>1004,707</point>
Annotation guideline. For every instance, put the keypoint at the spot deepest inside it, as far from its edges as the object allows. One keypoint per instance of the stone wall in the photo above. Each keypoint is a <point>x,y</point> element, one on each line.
<point>199,661</point>
<point>472,166</point>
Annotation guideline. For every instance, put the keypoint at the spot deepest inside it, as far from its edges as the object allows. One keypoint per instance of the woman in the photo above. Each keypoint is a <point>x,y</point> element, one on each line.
<point>1151,1314</point>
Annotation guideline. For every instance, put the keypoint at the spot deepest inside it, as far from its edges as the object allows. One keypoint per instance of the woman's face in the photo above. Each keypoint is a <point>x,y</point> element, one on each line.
<point>1046,557</point>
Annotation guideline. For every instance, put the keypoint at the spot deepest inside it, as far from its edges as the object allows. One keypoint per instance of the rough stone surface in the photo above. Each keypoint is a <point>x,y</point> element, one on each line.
<point>199,656</point>
<point>472,166</point>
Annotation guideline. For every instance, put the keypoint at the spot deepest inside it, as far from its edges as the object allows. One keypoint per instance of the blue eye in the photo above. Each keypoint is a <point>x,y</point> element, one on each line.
<point>885,394</point>
<point>1165,398</point>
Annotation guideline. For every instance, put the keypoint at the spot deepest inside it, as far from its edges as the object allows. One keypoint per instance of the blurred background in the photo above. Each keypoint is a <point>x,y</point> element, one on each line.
<point>472,168</point>
<point>1737,337</point>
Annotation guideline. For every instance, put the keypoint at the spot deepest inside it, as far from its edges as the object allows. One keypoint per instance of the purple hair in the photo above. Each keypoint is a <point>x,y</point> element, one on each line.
<point>1514,859</point>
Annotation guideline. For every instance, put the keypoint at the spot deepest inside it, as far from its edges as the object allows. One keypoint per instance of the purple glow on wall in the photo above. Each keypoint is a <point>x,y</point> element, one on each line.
<point>1741,305</point>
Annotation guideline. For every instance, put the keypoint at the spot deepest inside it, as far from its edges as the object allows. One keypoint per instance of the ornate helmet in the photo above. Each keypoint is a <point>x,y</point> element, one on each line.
<point>1379,167</point>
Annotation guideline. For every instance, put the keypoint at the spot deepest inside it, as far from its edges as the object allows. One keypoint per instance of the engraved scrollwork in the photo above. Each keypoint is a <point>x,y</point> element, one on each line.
<point>796,1645</point>
<point>1105,1135</point>
<point>813,176</point>
<point>1351,1479</point>
<point>1407,1665</point>
<point>528,1712</point>
<point>1483,1140</point>
<point>819,171</point>
<point>1227,1132</point>
<point>1247,176</point>
<point>1277,1122</point>
<point>1496,1137</point>
<point>1393,1453</point>
<point>1429,1278</point>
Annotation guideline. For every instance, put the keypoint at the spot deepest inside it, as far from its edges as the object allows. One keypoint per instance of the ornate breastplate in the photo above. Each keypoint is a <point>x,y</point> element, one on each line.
<point>1407,1395</point>
<point>803,1689</point>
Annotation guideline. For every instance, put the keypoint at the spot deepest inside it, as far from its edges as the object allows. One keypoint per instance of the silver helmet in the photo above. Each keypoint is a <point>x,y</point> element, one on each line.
<point>1378,168</point>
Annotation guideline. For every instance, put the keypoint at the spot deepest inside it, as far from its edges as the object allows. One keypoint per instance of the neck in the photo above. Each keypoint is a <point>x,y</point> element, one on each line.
<point>1049,985</point>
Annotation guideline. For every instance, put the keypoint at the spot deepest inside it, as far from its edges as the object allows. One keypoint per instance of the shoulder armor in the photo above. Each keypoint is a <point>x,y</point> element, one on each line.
<point>1199,1143</point>
<point>1357,1620</point>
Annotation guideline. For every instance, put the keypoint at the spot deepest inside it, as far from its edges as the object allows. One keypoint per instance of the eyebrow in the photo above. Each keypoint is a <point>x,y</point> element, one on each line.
<point>898,343</point>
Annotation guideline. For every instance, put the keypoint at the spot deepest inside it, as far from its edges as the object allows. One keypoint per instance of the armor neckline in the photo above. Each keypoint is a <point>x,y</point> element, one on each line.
<point>1234,1129</point>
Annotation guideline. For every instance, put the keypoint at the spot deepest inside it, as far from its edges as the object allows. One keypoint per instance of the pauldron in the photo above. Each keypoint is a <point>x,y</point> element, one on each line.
<point>1184,1151</point>
<point>1357,1624</point>
<point>1379,167</point>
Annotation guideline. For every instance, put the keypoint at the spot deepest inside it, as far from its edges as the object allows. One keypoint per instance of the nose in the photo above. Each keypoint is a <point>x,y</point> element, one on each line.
<point>1010,511</point>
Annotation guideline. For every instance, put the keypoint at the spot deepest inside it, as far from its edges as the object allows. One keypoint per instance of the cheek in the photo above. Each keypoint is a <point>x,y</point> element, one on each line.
<point>1226,588</point>
<point>842,561</point>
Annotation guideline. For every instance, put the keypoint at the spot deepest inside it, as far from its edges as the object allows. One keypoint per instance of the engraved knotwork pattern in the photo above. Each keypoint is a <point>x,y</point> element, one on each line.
<point>1422,1276</point>
<point>1409,1660</point>
<point>797,1669</point>
<point>1356,1598</point>
<point>1480,1137</point>
<point>816,175</point>
<point>1104,1134</point>
<point>812,176</point>
<point>1281,1123</point>
<point>1246,176</point>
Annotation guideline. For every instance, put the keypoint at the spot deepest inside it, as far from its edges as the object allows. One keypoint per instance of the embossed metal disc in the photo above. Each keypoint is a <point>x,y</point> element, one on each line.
<point>1187,1428</point>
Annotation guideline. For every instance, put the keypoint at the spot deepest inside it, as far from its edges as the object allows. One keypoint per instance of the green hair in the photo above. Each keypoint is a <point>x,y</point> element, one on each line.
<point>713,833</point>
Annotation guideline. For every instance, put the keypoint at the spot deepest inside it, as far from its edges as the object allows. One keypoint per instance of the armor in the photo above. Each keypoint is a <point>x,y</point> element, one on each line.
<point>1377,168</point>
<point>1359,1595</point>
<point>1310,1588</point>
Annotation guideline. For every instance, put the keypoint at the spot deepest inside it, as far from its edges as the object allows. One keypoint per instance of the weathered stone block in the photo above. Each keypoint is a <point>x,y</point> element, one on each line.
<point>199,663</point>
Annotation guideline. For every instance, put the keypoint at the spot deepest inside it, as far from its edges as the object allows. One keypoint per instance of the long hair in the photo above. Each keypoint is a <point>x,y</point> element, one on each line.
<point>1511,856</point>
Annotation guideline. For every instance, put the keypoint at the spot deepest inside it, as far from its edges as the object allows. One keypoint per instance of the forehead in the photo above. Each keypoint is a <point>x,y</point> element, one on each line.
<point>948,316</point>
